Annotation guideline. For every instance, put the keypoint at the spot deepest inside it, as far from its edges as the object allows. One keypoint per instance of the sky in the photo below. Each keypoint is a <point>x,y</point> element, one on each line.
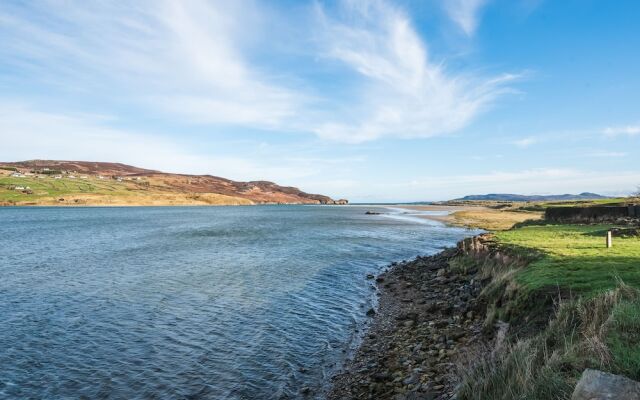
<point>374,101</point>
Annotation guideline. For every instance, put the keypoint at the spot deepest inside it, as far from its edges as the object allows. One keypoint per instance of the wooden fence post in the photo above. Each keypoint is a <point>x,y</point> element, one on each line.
<point>609,241</point>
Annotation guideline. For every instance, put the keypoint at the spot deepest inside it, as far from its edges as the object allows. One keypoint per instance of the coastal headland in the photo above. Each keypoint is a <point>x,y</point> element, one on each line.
<point>84,183</point>
<point>518,312</point>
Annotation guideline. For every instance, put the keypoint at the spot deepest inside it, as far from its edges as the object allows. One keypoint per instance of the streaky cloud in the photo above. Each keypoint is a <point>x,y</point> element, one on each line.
<point>402,91</point>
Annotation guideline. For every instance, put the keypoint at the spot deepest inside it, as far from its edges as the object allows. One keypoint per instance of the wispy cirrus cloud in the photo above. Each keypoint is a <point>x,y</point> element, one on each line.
<point>526,142</point>
<point>401,91</point>
<point>31,133</point>
<point>628,130</point>
<point>184,58</point>
<point>607,154</point>
<point>195,62</point>
<point>465,13</point>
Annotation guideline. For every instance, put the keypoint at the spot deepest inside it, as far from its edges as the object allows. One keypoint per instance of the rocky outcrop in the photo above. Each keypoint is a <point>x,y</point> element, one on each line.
<point>598,385</point>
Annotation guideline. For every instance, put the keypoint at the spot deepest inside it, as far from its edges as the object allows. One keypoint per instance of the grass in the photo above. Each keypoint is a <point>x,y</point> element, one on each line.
<point>595,322</point>
<point>94,191</point>
<point>49,187</point>
<point>602,333</point>
<point>574,257</point>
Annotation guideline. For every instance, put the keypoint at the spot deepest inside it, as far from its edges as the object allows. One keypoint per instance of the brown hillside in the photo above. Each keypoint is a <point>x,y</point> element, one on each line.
<point>145,182</point>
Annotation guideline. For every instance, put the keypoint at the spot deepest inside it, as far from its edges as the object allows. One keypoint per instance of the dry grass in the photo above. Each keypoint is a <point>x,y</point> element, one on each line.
<point>584,334</point>
<point>492,219</point>
<point>146,199</point>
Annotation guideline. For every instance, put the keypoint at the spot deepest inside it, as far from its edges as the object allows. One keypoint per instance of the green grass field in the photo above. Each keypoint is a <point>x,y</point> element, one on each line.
<point>575,257</point>
<point>49,187</point>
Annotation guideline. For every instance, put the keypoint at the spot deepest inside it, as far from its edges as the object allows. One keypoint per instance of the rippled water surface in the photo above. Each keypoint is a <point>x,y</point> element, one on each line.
<point>207,302</point>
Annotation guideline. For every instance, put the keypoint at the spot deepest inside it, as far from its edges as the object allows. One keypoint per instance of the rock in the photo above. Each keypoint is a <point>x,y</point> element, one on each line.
<point>370,276</point>
<point>411,380</point>
<point>381,376</point>
<point>305,390</point>
<point>371,312</point>
<point>598,385</point>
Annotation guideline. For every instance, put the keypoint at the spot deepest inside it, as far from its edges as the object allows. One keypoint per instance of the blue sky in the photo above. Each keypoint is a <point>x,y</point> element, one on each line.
<point>369,100</point>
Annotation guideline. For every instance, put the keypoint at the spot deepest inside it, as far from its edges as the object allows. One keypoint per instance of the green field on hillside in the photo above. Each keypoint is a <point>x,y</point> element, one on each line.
<point>50,187</point>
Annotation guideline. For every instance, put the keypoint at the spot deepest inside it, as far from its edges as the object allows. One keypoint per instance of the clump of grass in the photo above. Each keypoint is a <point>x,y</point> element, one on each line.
<point>601,332</point>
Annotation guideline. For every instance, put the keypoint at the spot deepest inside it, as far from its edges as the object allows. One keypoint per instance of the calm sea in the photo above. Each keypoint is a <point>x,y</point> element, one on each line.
<point>191,302</point>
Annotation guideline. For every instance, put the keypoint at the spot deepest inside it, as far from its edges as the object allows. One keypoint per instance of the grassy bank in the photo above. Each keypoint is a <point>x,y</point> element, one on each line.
<point>572,304</point>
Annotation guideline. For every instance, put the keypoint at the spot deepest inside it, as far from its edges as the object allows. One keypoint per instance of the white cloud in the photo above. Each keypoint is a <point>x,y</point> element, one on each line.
<point>186,58</point>
<point>465,13</point>
<point>403,93</point>
<point>212,63</point>
<point>629,130</point>
<point>526,142</point>
<point>28,133</point>
<point>607,154</point>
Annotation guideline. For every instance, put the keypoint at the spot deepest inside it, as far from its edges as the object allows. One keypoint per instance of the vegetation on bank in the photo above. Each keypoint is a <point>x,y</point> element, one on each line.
<point>33,190</point>
<point>572,304</point>
<point>574,257</point>
<point>492,219</point>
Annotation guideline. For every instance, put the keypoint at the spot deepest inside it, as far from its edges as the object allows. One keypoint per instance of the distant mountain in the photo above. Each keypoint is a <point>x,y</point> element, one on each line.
<point>103,183</point>
<point>520,197</point>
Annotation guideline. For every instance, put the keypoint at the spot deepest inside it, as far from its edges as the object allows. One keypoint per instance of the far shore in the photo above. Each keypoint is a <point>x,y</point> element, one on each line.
<point>449,218</point>
<point>470,216</point>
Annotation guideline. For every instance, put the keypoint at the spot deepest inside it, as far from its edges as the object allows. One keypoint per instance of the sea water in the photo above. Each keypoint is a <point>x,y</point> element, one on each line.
<point>192,302</point>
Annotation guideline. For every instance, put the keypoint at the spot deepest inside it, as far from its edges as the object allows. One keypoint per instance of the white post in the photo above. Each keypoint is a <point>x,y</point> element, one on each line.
<point>609,242</point>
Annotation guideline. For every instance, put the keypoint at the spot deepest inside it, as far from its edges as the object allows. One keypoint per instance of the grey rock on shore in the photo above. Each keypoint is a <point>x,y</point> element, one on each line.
<point>427,326</point>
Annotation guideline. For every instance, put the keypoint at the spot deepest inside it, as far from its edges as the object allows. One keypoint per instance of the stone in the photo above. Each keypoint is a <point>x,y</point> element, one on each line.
<point>598,385</point>
<point>381,376</point>
<point>412,379</point>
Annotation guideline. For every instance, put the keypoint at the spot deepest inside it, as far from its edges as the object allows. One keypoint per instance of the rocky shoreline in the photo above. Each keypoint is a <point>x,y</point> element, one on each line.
<point>427,328</point>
